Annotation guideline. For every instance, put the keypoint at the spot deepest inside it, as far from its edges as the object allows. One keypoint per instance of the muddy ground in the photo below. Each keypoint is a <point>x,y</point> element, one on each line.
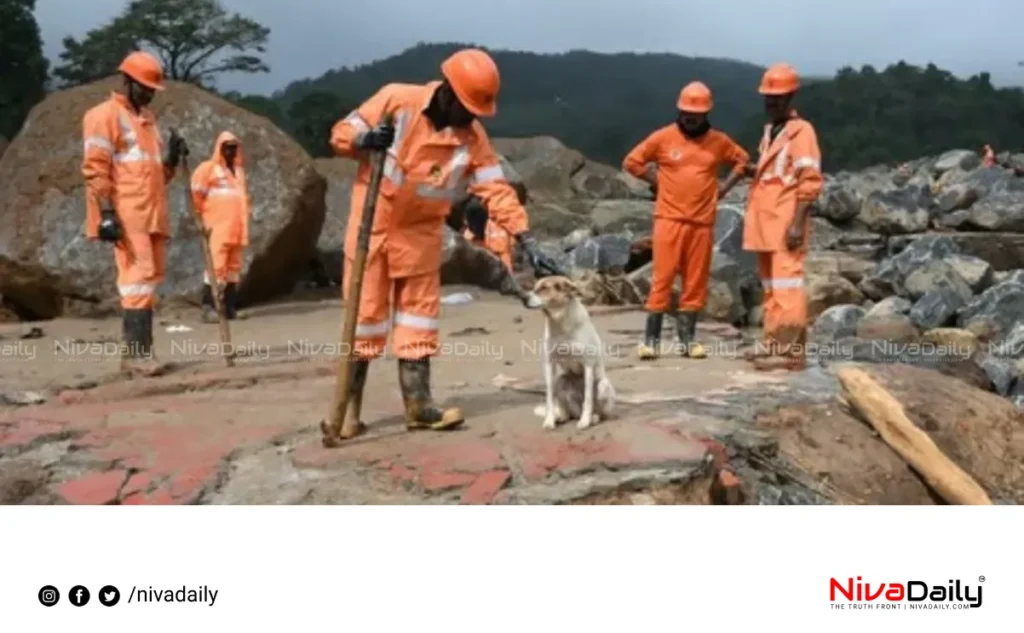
<point>687,431</point>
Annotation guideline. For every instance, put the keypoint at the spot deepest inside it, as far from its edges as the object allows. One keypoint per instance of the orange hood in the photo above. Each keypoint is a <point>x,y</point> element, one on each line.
<point>227,137</point>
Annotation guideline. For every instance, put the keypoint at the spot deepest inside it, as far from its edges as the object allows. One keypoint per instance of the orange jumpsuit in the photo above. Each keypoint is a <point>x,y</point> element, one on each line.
<point>788,173</point>
<point>684,213</point>
<point>988,157</point>
<point>425,172</point>
<point>222,199</point>
<point>123,163</point>
<point>496,240</point>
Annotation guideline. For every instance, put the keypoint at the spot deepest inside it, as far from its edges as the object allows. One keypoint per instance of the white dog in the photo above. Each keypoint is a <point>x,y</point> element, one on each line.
<point>581,388</point>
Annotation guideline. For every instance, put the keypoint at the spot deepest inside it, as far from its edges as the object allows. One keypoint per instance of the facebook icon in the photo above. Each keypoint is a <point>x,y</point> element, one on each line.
<point>79,596</point>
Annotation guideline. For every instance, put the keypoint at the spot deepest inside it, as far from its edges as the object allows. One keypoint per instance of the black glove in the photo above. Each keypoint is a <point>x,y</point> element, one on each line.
<point>110,228</point>
<point>378,138</point>
<point>476,217</point>
<point>543,266</point>
<point>176,150</point>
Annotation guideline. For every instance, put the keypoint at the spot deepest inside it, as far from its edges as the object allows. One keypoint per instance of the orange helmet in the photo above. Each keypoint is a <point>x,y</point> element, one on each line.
<point>695,97</point>
<point>780,79</point>
<point>473,76</point>
<point>143,68</point>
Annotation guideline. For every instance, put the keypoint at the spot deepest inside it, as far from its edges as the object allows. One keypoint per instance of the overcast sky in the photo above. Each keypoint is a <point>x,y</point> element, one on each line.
<point>309,37</point>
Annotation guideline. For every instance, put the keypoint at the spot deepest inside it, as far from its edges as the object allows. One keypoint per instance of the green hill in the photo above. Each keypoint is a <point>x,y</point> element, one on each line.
<point>601,104</point>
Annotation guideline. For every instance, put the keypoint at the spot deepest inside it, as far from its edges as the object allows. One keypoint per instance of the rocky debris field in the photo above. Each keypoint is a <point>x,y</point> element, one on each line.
<point>916,268</point>
<point>700,432</point>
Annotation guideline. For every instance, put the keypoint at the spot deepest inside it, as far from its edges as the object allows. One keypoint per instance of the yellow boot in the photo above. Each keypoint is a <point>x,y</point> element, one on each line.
<point>686,330</point>
<point>651,346</point>
<point>420,410</point>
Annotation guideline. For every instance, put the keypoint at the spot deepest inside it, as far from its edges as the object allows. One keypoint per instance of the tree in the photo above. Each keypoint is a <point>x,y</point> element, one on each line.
<point>22,64</point>
<point>310,120</point>
<point>258,104</point>
<point>195,39</point>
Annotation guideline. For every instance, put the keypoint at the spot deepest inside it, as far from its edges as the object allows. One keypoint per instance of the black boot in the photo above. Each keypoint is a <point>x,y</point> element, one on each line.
<point>231,300</point>
<point>137,355</point>
<point>420,410</point>
<point>686,331</point>
<point>651,347</point>
<point>209,309</point>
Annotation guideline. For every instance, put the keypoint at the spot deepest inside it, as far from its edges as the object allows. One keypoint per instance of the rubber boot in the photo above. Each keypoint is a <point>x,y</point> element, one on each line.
<point>137,355</point>
<point>420,410</point>
<point>151,364</point>
<point>651,347</point>
<point>686,330</point>
<point>231,301</point>
<point>352,424</point>
<point>209,310</point>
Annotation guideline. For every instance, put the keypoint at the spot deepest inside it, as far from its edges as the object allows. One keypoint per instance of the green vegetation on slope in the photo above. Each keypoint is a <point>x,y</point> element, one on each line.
<point>602,104</point>
<point>868,117</point>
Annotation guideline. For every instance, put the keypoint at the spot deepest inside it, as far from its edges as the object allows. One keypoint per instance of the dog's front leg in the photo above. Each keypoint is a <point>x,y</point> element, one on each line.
<point>549,380</point>
<point>588,397</point>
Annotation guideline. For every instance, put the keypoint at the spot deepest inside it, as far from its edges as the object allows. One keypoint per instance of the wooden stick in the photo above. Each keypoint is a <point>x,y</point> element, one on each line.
<point>888,417</point>
<point>332,429</point>
<point>227,350</point>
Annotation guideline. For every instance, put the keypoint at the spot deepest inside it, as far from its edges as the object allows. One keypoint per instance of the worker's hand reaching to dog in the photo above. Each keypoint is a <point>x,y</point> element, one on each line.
<point>379,138</point>
<point>543,266</point>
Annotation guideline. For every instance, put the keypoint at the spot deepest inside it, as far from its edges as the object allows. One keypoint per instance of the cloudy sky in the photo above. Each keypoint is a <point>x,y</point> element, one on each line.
<point>309,37</point>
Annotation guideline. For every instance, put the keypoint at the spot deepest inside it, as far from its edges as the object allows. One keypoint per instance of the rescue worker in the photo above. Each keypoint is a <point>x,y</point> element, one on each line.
<point>787,181</point>
<point>688,155</point>
<point>126,198</point>
<point>436,147</point>
<point>486,232</point>
<point>221,198</point>
<point>988,156</point>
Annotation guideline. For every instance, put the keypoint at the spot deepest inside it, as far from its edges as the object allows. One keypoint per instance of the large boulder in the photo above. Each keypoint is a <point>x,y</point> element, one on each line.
<point>890,275</point>
<point>44,256</point>
<point>615,216</point>
<point>3,145</point>
<point>896,212</point>
<point>546,165</point>
<point>339,173</point>
<point>994,313</point>
<point>1002,251</point>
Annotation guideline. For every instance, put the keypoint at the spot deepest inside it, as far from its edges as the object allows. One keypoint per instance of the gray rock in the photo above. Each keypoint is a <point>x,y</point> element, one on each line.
<point>935,275</point>
<point>956,197</point>
<point>576,238</point>
<point>994,313</point>
<point>1004,276</point>
<point>550,220</point>
<point>1000,371</point>
<point>1003,251</point>
<point>1011,346</point>
<point>937,308</point>
<point>837,203</point>
<point>888,320</point>
<point>973,270</point>
<point>846,265</point>
<point>617,216</point>
<point>603,254</point>
<point>1002,211</point>
<point>825,291</point>
<point>838,322</point>
<point>957,158</point>
<point>896,212</point>
<point>889,276</point>
<point>729,236</point>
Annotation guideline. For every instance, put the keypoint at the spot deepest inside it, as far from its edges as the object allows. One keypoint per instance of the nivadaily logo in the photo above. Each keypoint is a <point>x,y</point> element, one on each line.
<point>912,594</point>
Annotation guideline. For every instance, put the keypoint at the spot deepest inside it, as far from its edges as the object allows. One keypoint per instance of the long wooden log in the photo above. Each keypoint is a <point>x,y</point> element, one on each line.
<point>885,413</point>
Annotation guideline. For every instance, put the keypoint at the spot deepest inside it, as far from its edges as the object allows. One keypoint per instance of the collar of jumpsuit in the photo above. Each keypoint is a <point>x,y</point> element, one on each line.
<point>143,113</point>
